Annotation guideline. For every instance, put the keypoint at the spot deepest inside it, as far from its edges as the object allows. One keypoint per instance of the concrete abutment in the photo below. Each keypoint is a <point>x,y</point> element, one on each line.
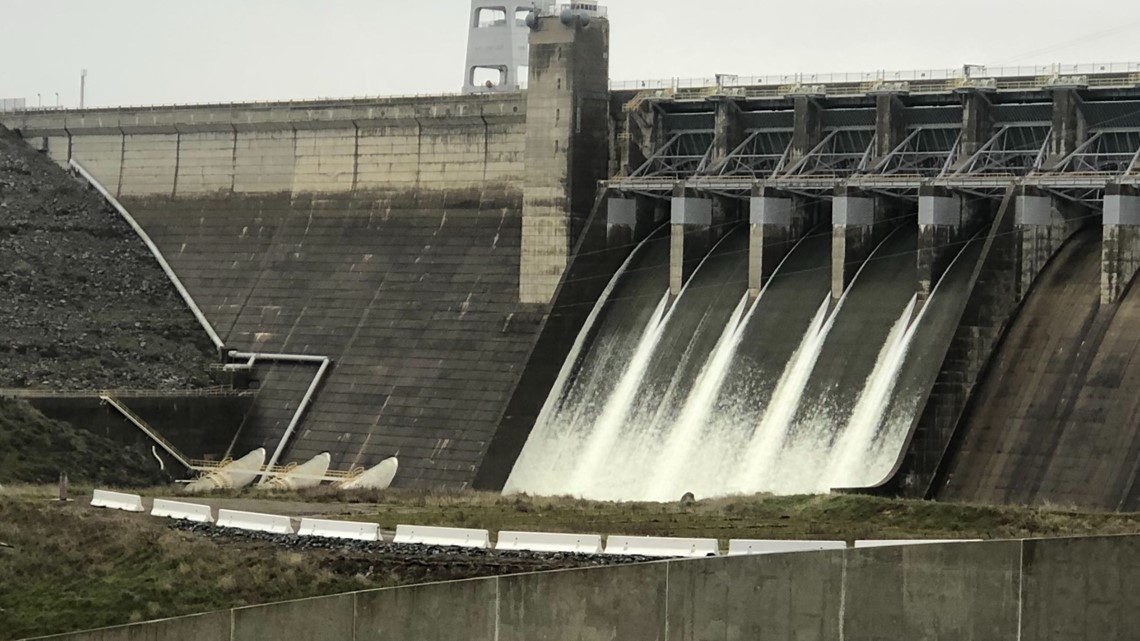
<point>567,146</point>
<point>1120,259</point>
<point>860,222</point>
<point>947,220</point>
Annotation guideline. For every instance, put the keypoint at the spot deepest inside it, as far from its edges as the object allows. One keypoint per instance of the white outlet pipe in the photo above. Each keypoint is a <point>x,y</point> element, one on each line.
<point>250,358</point>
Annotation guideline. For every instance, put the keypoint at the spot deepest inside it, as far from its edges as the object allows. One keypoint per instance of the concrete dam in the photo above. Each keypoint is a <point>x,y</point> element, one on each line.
<point>912,284</point>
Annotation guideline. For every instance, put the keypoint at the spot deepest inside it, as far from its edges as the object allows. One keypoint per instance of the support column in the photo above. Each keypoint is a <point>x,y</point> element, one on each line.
<point>977,122</point>
<point>807,128</point>
<point>691,236</point>
<point>641,138</point>
<point>567,145</point>
<point>776,224</point>
<point>1120,258</point>
<point>1044,222</point>
<point>1069,126</point>
<point>859,223</point>
<point>946,220</point>
<point>729,130</point>
<point>890,124</point>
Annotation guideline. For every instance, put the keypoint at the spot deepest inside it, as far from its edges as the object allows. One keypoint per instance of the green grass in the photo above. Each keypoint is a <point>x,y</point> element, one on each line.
<point>837,517</point>
<point>72,567</point>
<point>35,449</point>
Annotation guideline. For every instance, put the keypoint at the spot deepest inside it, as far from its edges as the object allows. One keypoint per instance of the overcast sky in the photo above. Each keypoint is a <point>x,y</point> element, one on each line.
<point>160,51</point>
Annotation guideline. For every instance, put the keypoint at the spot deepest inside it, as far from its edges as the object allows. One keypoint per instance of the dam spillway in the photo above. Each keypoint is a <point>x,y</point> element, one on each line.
<point>869,243</point>
<point>715,394</point>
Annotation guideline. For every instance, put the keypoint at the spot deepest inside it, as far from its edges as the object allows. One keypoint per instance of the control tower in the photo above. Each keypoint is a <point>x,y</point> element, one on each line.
<point>497,44</point>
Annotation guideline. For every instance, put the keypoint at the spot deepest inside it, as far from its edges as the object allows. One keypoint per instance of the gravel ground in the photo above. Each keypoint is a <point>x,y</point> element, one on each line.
<point>85,306</point>
<point>412,563</point>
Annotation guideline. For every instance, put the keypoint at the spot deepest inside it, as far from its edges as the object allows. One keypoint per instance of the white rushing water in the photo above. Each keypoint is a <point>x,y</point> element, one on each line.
<point>619,443</point>
<point>669,479</point>
<point>551,454</point>
<point>605,432</point>
<point>757,466</point>
<point>848,466</point>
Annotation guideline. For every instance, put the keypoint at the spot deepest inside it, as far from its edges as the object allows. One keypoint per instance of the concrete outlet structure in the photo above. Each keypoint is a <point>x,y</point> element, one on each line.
<point>1121,246</point>
<point>567,135</point>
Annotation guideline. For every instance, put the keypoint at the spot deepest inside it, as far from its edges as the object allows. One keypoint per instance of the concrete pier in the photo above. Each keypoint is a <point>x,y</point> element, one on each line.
<point>777,221</point>
<point>1120,260</point>
<point>859,222</point>
<point>977,121</point>
<point>1044,222</point>
<point>567,142</point>
<point>630,220</point>
<point>691,236</point>
<point>1070,127</point>
<point>946,221</point>
<point>808,126</point>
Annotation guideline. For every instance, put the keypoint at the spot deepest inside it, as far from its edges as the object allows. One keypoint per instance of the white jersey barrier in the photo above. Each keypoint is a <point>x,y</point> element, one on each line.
<point>741,547</point>
<point>339,530</point>
<point>897,542</point>
<point>661,546</point>
<point>253,522</point>
<point>549,542</point>
<point>458,537</point>
<point>182,511</point>
<point>117,501</point>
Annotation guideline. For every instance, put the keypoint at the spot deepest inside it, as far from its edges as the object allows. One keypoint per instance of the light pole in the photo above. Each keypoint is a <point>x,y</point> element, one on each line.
<point>57,100</point>
<point>82,88</point>
<point>39,101</point>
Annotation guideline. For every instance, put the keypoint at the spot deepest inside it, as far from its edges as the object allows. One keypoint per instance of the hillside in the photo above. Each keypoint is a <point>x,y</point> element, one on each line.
<point>85,304</point>
<point>100,567</point>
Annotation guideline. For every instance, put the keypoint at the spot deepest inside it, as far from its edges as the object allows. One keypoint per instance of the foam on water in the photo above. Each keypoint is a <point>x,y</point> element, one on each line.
<point>848,465</point>
<point>683,446</point>
<point>652,434</point>
<point>756,467</point>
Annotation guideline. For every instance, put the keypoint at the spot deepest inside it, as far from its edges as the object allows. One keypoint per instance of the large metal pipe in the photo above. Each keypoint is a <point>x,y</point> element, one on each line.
<point>154,251</point>
<point>249,357</point>
<point>296,420</point>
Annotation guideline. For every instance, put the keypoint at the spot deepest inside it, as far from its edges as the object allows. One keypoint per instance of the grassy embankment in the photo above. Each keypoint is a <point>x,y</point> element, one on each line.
<point>71,567</point>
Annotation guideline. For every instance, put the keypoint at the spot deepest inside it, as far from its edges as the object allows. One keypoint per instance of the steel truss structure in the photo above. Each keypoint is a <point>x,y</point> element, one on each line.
<point>685,154</point>
<point>928,155</point>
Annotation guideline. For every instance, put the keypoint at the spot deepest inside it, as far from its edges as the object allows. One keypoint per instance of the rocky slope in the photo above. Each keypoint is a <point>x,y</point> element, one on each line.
<point>83,304</point>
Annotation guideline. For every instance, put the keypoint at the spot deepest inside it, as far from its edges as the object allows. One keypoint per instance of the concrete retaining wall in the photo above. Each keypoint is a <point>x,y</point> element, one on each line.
<point>382,145</point>
<point>1070,589</point>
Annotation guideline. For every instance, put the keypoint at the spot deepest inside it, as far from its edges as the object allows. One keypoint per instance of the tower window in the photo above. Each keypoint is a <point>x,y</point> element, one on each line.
<point>488,77</point>
<point>490,17</point>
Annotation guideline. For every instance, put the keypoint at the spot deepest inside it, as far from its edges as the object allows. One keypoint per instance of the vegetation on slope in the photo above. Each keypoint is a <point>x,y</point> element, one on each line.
<point>834,517</point>
<point>71,567</point>
<point>35,449</point>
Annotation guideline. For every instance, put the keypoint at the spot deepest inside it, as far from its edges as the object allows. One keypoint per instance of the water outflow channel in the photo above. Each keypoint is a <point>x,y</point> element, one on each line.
<point>714,395</point>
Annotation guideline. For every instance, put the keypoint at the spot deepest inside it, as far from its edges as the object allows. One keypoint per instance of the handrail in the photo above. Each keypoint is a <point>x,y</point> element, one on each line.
<point>1131,71</point>
<point>147,429</point>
